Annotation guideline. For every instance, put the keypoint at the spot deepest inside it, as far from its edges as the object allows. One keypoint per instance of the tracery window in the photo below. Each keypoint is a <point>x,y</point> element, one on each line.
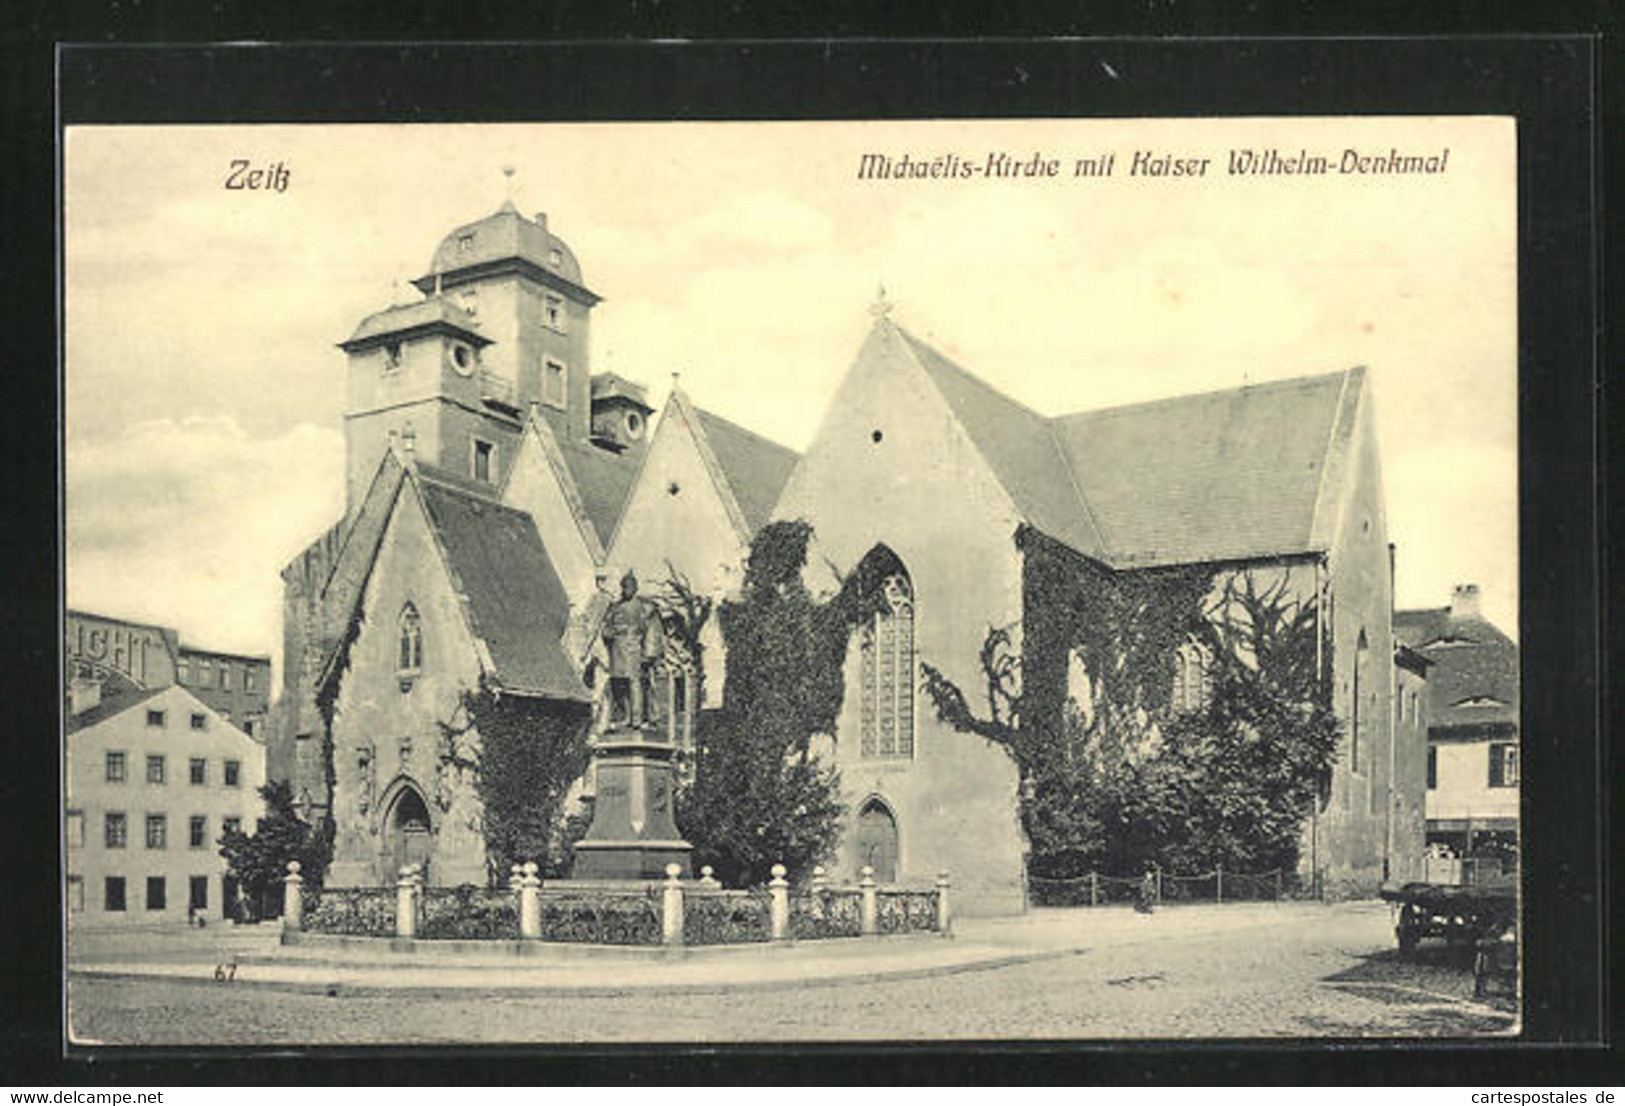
<point>1193,678</point>
<point>887,649</point>
<point>411,638</point>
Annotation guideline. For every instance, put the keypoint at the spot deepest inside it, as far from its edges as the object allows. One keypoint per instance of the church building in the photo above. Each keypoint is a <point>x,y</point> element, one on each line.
<point>497,489</point>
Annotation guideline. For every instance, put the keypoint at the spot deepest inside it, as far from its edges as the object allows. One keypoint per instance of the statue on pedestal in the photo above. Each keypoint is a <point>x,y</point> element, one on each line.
<point>635,640</point>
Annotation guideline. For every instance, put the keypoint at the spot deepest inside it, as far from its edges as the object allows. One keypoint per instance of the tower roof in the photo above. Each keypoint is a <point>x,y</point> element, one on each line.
<point>435,314</point>
<point>502,241</point>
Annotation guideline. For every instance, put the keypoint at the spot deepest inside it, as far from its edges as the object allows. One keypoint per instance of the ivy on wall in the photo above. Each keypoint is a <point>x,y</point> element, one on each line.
<point>758,797</point>
<point>1113,777</point>
<point>523,754</point>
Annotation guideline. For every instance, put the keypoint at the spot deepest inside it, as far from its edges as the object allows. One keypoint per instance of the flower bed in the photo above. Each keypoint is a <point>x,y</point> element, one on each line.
<point>727,918</point>
<point>826,913</point>
<point>468,912</point>
<point>601,919</point>
<point>353,911</point>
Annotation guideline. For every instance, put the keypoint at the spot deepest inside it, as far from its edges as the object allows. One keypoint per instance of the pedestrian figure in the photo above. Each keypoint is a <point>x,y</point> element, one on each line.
<point>1146,899</point>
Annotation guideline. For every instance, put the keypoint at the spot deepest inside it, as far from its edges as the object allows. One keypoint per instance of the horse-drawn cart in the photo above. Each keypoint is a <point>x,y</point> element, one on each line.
<point>1481,917</point>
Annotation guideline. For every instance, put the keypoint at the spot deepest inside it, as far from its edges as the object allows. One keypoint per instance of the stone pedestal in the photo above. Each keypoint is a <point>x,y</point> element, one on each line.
<point>632,836</point>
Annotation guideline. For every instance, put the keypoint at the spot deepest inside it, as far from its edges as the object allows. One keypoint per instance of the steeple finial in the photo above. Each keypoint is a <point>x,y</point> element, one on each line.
<point>508,172</point>
<point>882,306</point>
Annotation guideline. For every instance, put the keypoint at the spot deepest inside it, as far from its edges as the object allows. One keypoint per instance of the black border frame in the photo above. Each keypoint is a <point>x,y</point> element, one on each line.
<point>1549,83</point>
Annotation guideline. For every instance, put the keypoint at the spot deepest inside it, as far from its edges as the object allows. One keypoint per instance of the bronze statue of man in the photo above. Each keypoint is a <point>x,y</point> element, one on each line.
<point>635,639</point>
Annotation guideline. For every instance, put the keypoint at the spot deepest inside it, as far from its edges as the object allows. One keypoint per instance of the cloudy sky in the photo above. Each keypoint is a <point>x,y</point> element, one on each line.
<point>204,391</point>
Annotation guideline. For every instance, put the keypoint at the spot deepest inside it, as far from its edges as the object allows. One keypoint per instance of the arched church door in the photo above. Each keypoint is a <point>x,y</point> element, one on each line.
<point>877,840</point>
<point>408,822</point>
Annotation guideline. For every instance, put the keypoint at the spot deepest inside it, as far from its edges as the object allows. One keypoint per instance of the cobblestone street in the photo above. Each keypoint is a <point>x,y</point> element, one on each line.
<point>1202,971</point>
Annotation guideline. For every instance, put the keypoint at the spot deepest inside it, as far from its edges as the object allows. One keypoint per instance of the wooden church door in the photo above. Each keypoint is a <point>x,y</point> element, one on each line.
<point>877,841</point>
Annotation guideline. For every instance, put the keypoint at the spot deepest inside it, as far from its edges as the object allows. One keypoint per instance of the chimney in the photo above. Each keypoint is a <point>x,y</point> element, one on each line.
<point>83,694</point>
<point>1464,602</point>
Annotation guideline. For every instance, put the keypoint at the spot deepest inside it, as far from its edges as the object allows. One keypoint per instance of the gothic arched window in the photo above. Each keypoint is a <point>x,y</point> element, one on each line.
<point>411,638</point>
<point>887,648</point>
<point>1356,720</point>
<point>1193,678</point>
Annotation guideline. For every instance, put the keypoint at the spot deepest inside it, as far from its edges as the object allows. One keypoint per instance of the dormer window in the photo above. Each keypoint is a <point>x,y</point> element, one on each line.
<point>554,382</point>
<point>553,309</point>
<point>411,641</point>
<point>555,258</point>
<point>481,460</point>
<point>465,243</point>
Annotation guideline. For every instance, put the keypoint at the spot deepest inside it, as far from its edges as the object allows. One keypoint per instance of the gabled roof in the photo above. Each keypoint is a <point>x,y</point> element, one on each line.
<point>513,600</point>
<point>112,704</point>
<point>1474,680</point>
<point>603,480</point>
<point>1018,445</point>
<point>754,467</point>
<point>1218,476</point>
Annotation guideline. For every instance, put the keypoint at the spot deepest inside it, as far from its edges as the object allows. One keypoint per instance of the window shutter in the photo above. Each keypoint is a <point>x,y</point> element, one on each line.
<point>1495,766</point>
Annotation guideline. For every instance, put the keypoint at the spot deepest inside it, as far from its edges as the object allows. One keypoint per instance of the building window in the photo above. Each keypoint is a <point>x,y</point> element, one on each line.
<point>231,825</point>
<point>234,773</point>
<point>554,386</point>
<point>1503,764</point>
<point>554,312</point>
<point>183,671</point>
<point>1433,767</point>
<point>115,767</point>
<point>392,358</point>
<point>555,258</point>
<point>197,897</point>
<point>157,831</point>
<point>156,898</point>
<point>76,894</point>
<point>197,831</point>
<point>76,829</point>
<point>200,721</point>
<point>155,769</point>
<point>113,893</point>
<point>1193,678</point>
<point>225,676</point>
<point>887,672</point>
<point>197,771</point>
<point>250,680</point>
<point>470,300</point>
<point>205,674</point>
<point>411,640</point>
<point>114,829</point>
<point>483,452</point>
<point>465,243</point>
<point>155,718</point>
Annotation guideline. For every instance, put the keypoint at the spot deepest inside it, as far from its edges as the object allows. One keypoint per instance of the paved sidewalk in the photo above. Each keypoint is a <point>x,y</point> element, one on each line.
<point>978,944</point>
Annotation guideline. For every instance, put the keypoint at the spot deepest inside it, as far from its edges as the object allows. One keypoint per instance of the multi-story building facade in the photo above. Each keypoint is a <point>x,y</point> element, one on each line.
<point>1472,726</point>
<point>154,777</point>
<point>115,654</point>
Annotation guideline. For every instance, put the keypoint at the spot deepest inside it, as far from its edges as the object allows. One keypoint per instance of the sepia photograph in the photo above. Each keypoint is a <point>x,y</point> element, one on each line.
<point>707,583</point>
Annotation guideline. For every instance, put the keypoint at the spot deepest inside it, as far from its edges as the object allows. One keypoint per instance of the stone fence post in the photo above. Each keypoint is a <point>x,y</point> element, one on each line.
<point>707,880</point>
<point>406,907</point>
<point>820,879</point>
<point>944,911</point>
<point>530,903</point>
<point>871,907</point>
<point>293,900</point>
<point>671,907</point>
<point>779,914</point>
<point>516,878</point>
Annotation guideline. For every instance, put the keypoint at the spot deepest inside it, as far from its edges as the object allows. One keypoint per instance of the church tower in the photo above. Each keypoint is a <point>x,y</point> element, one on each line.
<point>502,329</point>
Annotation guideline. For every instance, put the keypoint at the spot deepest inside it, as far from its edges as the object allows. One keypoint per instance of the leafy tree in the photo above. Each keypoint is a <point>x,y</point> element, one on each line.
<point>259,860</point>
<point>759,797</point>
